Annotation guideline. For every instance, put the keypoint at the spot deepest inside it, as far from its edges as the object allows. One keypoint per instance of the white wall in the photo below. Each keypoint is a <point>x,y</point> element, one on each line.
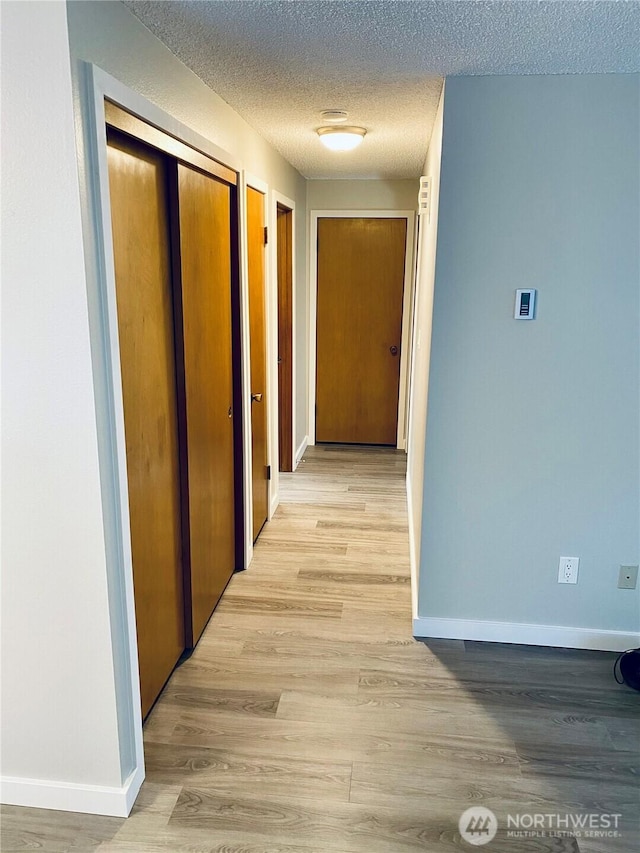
<point>421,348</point>
<point>58,705</point>
<point>362,195</point>
<point>301,308</point>
<point>533,427</point>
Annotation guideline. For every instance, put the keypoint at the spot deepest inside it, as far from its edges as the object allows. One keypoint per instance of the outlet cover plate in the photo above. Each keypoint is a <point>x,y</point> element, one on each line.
<point>568,569</point>
<point>628,577</point>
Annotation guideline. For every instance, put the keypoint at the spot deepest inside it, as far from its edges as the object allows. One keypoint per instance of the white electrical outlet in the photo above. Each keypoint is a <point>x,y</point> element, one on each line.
<point>628,577</point>
<point>568,569</point>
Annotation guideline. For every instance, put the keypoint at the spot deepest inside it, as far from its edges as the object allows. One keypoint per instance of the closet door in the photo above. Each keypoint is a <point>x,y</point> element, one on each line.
<point>141,240</point>
<point>204,205</point>
<point>258,349</point>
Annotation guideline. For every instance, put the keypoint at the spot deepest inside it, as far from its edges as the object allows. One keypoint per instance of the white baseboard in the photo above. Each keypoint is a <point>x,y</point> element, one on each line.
<point>531,635</point>
<point>300,452</point>
<point>71,797</point>
<point>413,556</point>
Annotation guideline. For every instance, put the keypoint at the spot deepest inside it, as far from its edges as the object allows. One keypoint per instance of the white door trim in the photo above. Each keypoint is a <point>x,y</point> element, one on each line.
<point>249,180</point>
<point>403,396</point>
<point>277,198</point>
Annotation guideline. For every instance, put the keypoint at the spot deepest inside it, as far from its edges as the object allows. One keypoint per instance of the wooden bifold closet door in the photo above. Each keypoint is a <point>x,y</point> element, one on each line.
<point>175,268</point>
<point>138,184</point>
<point>205,270</point>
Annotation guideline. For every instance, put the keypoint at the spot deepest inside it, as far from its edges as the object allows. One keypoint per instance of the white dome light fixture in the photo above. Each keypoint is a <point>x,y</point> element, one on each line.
<point>341,138</point>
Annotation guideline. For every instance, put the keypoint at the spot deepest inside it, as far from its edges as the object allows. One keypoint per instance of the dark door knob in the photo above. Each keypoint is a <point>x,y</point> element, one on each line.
<point>393,350</point>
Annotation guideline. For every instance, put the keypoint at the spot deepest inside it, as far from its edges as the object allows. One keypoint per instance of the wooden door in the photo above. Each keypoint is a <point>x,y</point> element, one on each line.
<point>205,270</point>
<point>140,225</point>
<point>359,327</point>
<point>285,337</point>
<point>258,348</point>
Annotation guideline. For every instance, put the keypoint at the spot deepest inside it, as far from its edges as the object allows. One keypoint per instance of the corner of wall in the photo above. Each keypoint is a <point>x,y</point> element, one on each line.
<point>421,349</point>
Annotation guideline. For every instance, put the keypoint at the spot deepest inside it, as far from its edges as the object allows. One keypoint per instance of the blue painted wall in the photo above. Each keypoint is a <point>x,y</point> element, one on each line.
<point>532,447</point>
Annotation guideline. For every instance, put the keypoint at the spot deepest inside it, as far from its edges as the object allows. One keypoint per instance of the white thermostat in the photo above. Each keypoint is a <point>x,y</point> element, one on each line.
<point>525,304</point>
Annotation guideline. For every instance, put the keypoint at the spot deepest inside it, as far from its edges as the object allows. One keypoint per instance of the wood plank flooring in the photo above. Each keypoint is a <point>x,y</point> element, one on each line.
<point>309,720</point>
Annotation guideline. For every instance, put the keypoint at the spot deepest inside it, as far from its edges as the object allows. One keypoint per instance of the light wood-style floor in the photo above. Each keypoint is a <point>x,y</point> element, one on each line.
<point>309,720</point>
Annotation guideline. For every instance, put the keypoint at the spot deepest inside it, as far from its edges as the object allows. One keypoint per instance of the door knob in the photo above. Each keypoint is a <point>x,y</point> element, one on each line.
<point>256,398</point>
<point>393,350</point>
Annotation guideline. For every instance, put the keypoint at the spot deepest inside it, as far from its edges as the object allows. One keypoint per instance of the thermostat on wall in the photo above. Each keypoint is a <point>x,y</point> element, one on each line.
<point>525,304</point>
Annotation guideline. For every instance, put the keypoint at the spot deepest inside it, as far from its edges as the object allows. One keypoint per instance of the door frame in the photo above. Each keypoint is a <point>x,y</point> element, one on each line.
<point>97,86</point>
<point>279,200</point>
<point>247,179</point>
<point>407,302</point>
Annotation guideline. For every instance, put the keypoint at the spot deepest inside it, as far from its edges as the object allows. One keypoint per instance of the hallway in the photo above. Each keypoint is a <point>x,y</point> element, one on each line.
<point>309,720</point>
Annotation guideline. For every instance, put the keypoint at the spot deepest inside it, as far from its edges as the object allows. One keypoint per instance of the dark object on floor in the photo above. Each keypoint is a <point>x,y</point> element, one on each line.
<point>626,669</point>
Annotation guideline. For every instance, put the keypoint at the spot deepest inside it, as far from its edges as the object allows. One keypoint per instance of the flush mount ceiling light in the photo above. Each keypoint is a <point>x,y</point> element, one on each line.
<point>341,138</point>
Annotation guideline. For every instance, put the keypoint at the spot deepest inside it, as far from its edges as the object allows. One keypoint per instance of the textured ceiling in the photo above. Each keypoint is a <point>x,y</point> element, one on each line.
<point>280,62</point>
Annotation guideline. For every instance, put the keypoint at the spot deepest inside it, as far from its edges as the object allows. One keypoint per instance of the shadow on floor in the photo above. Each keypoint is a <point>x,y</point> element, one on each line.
<point>573,731</point>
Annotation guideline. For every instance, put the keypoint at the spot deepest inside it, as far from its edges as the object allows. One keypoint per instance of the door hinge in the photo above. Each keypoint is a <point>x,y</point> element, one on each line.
<point>266,235</point>
<point>268,472</point>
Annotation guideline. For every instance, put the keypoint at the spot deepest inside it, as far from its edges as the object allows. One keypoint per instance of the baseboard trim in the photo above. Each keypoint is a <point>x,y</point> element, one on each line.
<point>275,502</point>
<point>425,627</point>
<point>300,452</point>
<point>71,797</point>
<point>413,556</point>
